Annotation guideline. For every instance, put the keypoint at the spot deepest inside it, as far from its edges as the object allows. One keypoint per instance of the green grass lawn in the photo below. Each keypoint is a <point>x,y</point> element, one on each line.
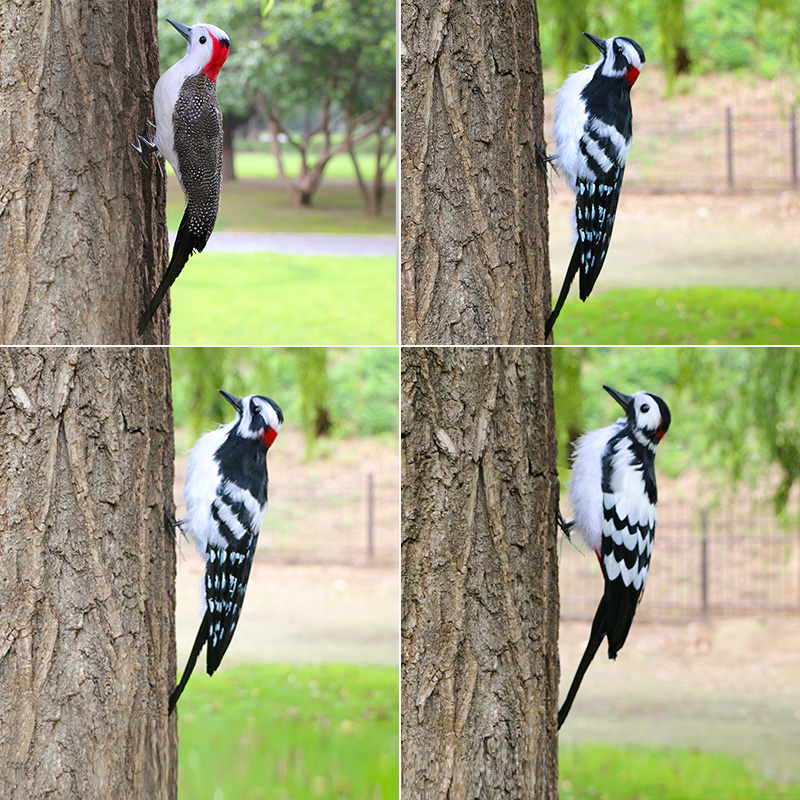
<point>628,773</point>
<point>690,315</point>
<point>258,202</point>
<point>290,733</point>
<point>263,165</point>
<point>262,206</point>
<point>278,299</point>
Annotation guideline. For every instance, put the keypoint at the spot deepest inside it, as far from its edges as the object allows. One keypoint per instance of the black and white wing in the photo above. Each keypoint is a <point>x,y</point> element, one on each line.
<point>626,548</point>
<point>227,573</point>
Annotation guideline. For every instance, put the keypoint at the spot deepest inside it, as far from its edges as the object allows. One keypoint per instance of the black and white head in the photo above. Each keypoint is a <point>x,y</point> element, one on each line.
<point>259,417</point>
<point>622,57</point>
<point>646,414</point>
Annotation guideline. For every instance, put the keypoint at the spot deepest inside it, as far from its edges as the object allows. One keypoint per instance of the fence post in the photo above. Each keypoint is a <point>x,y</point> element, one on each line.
<point>793,143</point>
<point>729,139</point>
<point>704,559</point>
<point>371,516</point>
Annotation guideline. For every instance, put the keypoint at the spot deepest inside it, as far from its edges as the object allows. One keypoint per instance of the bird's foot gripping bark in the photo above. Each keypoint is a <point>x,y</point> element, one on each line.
<point>566,527</point>
<point>544,160</point>
<point>172,523</point>
<point>144,146</point>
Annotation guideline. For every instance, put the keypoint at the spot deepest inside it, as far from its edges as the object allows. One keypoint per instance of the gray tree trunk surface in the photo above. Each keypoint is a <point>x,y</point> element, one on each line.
<point>474,254</point>
<point>87,574</point>
<point>83,240</point>
<point>480,604</point>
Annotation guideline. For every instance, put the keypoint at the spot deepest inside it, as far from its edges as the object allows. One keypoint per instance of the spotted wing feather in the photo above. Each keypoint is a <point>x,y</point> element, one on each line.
<point>595,211</point>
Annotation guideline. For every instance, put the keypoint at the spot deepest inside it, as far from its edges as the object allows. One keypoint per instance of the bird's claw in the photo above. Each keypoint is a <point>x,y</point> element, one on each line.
<point>566,527</point>
<point>144,146</point>
<point>172,523</point>
<point>546,161</point>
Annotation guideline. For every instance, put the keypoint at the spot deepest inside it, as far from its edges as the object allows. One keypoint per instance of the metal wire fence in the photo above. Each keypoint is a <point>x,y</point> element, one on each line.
<point>336,520</point>
<point>732,559</point>
<point>733,149</point>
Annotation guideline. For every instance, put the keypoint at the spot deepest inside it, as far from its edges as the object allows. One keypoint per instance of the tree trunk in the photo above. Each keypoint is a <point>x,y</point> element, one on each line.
<point>230,123</point>
<point>480,604</point>
<point>83,240</point>
<point>87,574</point>
<point>474,197</point>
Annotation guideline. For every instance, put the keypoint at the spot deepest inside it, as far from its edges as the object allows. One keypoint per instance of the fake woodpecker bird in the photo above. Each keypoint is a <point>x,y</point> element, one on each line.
<point>226,497</point>
<point>613,494</point>
<point>593,129</point>
<point>188,133</point>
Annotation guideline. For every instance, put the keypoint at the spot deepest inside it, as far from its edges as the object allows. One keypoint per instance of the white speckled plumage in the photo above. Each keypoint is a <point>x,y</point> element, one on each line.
<point>170,83</point>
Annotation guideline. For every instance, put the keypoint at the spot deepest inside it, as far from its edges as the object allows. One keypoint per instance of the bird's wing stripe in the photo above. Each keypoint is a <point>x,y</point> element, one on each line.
<point>594,149</point>
<point>229,535</point>
<point>596,208</point>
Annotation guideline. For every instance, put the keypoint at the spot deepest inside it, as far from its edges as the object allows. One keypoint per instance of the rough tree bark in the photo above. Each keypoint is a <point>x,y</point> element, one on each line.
<point>480,604</point>
<point>82,223</point>
<point>87,574</point>
<point>474,258</point>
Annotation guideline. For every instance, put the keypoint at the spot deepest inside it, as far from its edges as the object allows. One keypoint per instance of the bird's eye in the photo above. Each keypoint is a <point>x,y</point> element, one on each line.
<point>254,409</point>
<point>202,40</point>
<point>644,408</point>
<point>618,48</point>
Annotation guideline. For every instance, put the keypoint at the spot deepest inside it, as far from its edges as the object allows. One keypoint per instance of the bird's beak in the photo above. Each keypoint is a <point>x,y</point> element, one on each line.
<point>187,34</point>
<point>600,44</point>
<point>235,401</point>
<point>624,400</point>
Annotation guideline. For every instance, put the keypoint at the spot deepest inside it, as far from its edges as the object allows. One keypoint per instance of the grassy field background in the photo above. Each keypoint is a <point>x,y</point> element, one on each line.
<point>264,298</point>
<point>261,205</point>
<point>272,298</point>
<point>641,773</point>
<point>689,315</point>
<point>327,731</point>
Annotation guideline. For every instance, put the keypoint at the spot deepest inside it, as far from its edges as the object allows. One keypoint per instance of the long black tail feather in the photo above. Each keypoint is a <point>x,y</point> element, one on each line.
<point>572,271</point>
<point>186,243</point>
<point>200,640</point>
<point>595,640</point>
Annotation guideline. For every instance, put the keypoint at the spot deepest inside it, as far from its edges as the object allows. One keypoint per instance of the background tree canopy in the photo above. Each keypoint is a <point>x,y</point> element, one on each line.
<point>323,391</point>
<point>735,411</point>
<point>706,36</point>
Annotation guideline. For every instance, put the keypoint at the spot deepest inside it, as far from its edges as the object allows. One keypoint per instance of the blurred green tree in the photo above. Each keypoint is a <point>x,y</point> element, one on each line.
<point>759,36</point>
<point>735,411</point>
<point>334,59</point>
<point>322,391</point>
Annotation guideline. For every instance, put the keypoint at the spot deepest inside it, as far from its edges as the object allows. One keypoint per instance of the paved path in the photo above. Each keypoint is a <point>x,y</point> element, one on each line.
<point>304,244</point>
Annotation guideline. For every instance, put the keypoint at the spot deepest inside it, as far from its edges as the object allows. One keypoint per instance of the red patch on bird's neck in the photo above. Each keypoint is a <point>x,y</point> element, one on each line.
<point>660,434</point>
<point>631,75</point>
<point>218,57</point>
<point>268,437</point>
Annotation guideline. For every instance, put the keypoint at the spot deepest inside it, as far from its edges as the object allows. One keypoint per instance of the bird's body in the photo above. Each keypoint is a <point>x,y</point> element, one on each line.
<point>613,496</point>
<point>189,135</point>
<point>226,497</point>
<point>593,130</point>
